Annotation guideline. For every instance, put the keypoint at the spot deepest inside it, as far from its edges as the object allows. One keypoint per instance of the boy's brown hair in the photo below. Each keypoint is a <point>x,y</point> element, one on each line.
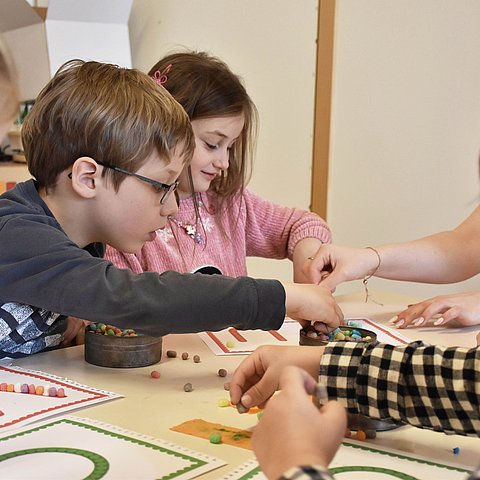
<point>114,115</point>
<point>9,95</point>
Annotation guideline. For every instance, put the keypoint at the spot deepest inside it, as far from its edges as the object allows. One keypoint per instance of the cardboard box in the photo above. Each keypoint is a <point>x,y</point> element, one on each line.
<point>41,39</point>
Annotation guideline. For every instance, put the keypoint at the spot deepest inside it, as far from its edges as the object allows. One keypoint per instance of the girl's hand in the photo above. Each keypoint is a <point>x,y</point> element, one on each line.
<point>464,308</point>
<point>308,303</point>
<point>293,431</point>
<point>333,265</point>
<point>257,378</point>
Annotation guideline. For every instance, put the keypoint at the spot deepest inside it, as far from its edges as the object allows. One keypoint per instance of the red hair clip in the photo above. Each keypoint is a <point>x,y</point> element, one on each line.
<point>161,77</point>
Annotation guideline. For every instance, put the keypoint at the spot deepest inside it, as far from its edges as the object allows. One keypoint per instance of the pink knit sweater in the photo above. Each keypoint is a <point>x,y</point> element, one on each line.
<point>254,227</point>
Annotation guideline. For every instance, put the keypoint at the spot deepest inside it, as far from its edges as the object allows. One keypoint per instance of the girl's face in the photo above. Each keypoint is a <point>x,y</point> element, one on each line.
<point>214,137</point>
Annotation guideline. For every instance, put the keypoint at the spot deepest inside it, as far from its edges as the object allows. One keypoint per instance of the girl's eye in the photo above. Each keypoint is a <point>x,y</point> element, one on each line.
<point>212,147</point>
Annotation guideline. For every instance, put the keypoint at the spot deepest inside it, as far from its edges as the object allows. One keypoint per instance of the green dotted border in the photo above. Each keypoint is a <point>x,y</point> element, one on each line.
<point>195,462</point>
<point>403,476</point>
<point>359,468</point>
<point>406,457</point>
<point>100,464</point>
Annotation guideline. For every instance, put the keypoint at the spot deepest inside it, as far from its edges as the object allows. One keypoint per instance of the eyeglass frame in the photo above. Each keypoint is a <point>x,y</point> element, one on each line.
<point>158,186</point>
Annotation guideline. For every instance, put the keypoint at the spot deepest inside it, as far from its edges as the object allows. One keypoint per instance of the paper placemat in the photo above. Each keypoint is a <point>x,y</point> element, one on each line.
<point>231,341</point>
<point>18,409</point>
<point>79,448</point>
<point>355,461</point>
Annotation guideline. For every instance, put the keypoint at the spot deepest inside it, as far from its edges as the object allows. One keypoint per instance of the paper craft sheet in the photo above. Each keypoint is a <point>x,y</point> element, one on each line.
<point>355,461</point>
<point>231,341</point>
<point>78,448</point>
<point>18,409</point>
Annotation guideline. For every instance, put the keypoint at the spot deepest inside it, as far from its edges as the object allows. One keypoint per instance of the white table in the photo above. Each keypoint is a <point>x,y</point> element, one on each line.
<point>153,406</point>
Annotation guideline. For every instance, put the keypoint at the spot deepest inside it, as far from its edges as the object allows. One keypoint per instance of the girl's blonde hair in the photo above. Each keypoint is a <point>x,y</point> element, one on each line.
<point>9,95</point>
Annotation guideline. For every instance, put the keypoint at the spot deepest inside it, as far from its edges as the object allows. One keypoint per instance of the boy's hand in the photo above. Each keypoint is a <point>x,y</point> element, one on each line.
<point>308,303</point>
<point>75,332</point>
<point>257,378</point>
<point>293,431</point>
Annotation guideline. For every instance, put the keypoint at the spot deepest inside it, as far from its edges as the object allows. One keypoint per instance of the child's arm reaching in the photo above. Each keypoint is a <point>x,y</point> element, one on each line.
<point>308,303</point>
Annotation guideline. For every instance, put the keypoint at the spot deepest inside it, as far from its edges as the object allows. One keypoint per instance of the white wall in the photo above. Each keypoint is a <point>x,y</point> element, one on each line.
<point>406,123</point>
<point>271,45</point>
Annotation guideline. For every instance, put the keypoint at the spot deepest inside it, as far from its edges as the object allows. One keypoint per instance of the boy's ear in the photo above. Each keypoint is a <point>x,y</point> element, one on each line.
<point>86,174</point>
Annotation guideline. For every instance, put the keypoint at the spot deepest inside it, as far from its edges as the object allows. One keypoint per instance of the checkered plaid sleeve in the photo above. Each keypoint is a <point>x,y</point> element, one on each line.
<point>314,473</point>
<point>306,472</point>
<point>431,387</point>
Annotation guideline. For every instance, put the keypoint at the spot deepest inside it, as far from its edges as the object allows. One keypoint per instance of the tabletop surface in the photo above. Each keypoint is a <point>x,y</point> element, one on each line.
<point>152,406</point>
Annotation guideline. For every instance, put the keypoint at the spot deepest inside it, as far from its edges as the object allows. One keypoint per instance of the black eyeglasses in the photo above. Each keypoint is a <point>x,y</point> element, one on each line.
<point>158,186</point>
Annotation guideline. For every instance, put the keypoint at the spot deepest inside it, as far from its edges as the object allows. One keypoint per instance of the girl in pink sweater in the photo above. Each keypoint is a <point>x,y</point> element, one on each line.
<point>222,222</point>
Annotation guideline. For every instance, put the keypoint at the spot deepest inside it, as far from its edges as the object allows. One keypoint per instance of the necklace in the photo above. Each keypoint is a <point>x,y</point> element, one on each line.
<point>190,230</point>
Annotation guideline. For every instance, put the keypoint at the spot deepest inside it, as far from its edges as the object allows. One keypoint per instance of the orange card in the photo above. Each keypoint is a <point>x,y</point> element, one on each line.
<point>203,429</point>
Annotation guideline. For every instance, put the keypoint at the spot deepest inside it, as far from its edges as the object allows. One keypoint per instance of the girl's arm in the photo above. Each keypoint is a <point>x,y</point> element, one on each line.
<point>276,231</point>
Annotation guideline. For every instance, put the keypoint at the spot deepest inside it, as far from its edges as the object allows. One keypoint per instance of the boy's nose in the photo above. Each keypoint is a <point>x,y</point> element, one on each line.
<point>170,207</point>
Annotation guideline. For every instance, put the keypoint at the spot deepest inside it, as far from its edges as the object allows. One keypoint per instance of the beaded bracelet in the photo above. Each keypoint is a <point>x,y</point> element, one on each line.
<point>368,277</point>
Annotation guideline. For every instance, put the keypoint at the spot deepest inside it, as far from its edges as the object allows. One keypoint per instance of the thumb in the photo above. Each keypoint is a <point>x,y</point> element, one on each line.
<point>258,394</point>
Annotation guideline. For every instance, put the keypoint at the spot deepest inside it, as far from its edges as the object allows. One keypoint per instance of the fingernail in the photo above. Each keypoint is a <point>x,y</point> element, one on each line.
<point>393,319</point>
<point>246,400</point>
<point>439,321</point>
<point>418,321</point>
<point>400,323</point>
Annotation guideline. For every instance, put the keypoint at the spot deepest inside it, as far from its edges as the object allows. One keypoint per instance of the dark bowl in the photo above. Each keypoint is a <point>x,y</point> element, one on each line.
<point>306,340</point>
<point>122,352</point>
<point>357,421</point>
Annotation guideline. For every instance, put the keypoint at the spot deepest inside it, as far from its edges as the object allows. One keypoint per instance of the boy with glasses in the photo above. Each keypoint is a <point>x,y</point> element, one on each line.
<point>105,147</point>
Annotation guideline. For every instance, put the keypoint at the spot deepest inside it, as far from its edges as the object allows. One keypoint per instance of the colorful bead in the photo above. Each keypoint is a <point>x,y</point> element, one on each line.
<point>360,435</point>
<point>215,438</point>
<point>111,330</point>
<point>223,402</point>
<point>155,374</point>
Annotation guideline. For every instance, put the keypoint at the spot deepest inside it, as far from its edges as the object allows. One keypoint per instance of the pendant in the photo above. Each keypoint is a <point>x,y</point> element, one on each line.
<point>191,231</point>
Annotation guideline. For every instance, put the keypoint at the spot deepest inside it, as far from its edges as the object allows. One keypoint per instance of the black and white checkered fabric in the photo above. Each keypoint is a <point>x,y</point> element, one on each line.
<point>312,473</point>
<point>431,387</point>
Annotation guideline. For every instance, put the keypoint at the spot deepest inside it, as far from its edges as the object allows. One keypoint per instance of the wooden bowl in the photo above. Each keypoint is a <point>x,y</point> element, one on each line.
<point>122,352</point>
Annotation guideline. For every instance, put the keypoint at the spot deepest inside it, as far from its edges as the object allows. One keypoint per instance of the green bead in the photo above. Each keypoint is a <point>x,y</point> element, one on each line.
<point>215,438</point>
